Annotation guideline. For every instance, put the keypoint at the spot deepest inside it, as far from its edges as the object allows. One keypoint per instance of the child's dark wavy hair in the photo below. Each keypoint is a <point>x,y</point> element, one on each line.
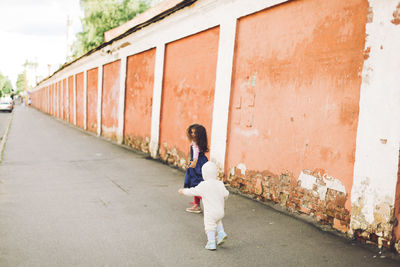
<point>201,136</point>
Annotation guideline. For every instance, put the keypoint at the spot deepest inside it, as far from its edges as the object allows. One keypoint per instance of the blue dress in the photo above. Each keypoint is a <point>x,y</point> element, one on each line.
<point>193,175</point>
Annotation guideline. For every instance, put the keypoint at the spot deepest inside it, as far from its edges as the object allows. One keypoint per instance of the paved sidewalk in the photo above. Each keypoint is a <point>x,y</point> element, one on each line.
<point>68,198</point>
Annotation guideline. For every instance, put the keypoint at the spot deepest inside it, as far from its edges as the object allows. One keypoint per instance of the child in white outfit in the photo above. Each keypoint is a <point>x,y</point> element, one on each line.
<point>214,194</point>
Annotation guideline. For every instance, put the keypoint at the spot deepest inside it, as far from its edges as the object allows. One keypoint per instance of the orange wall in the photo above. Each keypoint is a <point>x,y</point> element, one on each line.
<point>138,95</point>
<point>109,107</point>
<point>92,78</point>
<point>296,87</point>
<point>71,98</point>
<point>65,99</point>
<point>80,99</point>
<point>188,88</point>
<point>59,99</point>
<point>45,100</point>
<point>51,99</point>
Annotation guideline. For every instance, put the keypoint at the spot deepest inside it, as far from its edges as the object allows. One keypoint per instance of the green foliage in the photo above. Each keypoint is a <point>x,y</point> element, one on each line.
<point>21,82</point>
<point>101,16</point>
<point>5,86</point>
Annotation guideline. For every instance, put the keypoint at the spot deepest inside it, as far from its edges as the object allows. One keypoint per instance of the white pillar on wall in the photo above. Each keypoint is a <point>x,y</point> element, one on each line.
<point>378,133</point>
<point>156,107</point>
<point>62,99</point>
<point>55,98</point>
<point>85,99</point>
<point>222,93</point>
<point>99,97</point>
<point>67,97</point>
<point>74,99</point>
<point>121,101</point>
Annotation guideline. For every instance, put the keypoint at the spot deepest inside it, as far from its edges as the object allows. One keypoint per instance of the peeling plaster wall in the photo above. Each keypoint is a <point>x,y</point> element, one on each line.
<point>79,100</point>
<point>59,100</point>
<point>71,99</point>
<point>138,99</point>
<point>109,112</point>
<point>294,103</point>
<point>188,92</point>
<point>92,90</point>
<point>378,134</point>
<point>65,100</point>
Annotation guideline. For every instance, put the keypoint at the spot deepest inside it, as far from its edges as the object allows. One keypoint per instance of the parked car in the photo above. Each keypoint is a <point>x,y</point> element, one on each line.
<point>6,104</point>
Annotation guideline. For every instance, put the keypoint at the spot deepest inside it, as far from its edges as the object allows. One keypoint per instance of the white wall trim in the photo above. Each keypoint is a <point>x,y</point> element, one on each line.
<point>157,93</point>
<point>121,101</point>
<point>62,99</point>
<point>222,93</point>
<point>67,89</point>
<point>74,85</point>
<point>99,97</point>
<point>85,99</point>
<point>378,133</point>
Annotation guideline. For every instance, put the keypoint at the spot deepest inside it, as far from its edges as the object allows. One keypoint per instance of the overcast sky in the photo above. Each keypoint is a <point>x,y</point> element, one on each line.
<point>34,30</point>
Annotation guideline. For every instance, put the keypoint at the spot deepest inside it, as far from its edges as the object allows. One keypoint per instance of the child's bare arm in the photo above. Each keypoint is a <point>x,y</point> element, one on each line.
<point>192,164</point>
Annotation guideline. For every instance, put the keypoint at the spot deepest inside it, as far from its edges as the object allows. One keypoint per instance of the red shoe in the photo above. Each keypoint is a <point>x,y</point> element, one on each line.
<point>194,209</point>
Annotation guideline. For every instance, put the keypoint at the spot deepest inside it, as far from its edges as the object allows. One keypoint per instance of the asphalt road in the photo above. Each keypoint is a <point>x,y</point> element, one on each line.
<point>68,198</point>
<point>4,120</point>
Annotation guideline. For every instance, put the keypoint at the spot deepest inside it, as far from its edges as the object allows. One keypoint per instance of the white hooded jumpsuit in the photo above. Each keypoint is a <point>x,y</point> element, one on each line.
<point>213,193</point>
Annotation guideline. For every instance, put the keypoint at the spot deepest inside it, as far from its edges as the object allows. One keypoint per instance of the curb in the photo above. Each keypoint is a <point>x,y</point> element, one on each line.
<point>4,137</point>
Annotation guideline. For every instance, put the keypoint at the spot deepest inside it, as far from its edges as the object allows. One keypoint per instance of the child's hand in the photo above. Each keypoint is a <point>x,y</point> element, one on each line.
<point>180,191</point>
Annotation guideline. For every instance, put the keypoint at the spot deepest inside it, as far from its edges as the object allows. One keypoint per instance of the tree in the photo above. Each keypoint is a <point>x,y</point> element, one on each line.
<point>21,82</point>
<point>101,16</point>
<point>5,85</point>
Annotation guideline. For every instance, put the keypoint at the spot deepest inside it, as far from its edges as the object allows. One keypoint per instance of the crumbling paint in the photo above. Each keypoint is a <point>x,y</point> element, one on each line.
<point>71,99</point>
<point>321,197</point>
<point>188,90</point>
<point>366,53</point>
<point>371,214</point>
<point>138,143</point>
<point>396,16</point>
<point>174,156</point>
<point>80,98</point>
<point>65,100</point>
<point>295,92</point>
<point>59,100</point>
<point>92,91</point>
<point>138,100</point>
<point>109,107</point>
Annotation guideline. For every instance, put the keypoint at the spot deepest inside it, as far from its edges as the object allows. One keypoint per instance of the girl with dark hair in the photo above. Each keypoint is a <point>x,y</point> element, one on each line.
<point>198,135</point>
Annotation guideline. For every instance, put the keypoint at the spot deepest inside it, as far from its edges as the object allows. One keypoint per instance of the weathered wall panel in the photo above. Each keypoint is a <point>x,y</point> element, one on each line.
<point>51,99</point>
<point>80,98</point>
<point>71,99</point>
<point>109,107</point>
<point>59,99</point>
<point>188,92</point>
<point>92,80</point>
<point>294,105</point>
<point>138,99</point>
<point>65,100</point>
